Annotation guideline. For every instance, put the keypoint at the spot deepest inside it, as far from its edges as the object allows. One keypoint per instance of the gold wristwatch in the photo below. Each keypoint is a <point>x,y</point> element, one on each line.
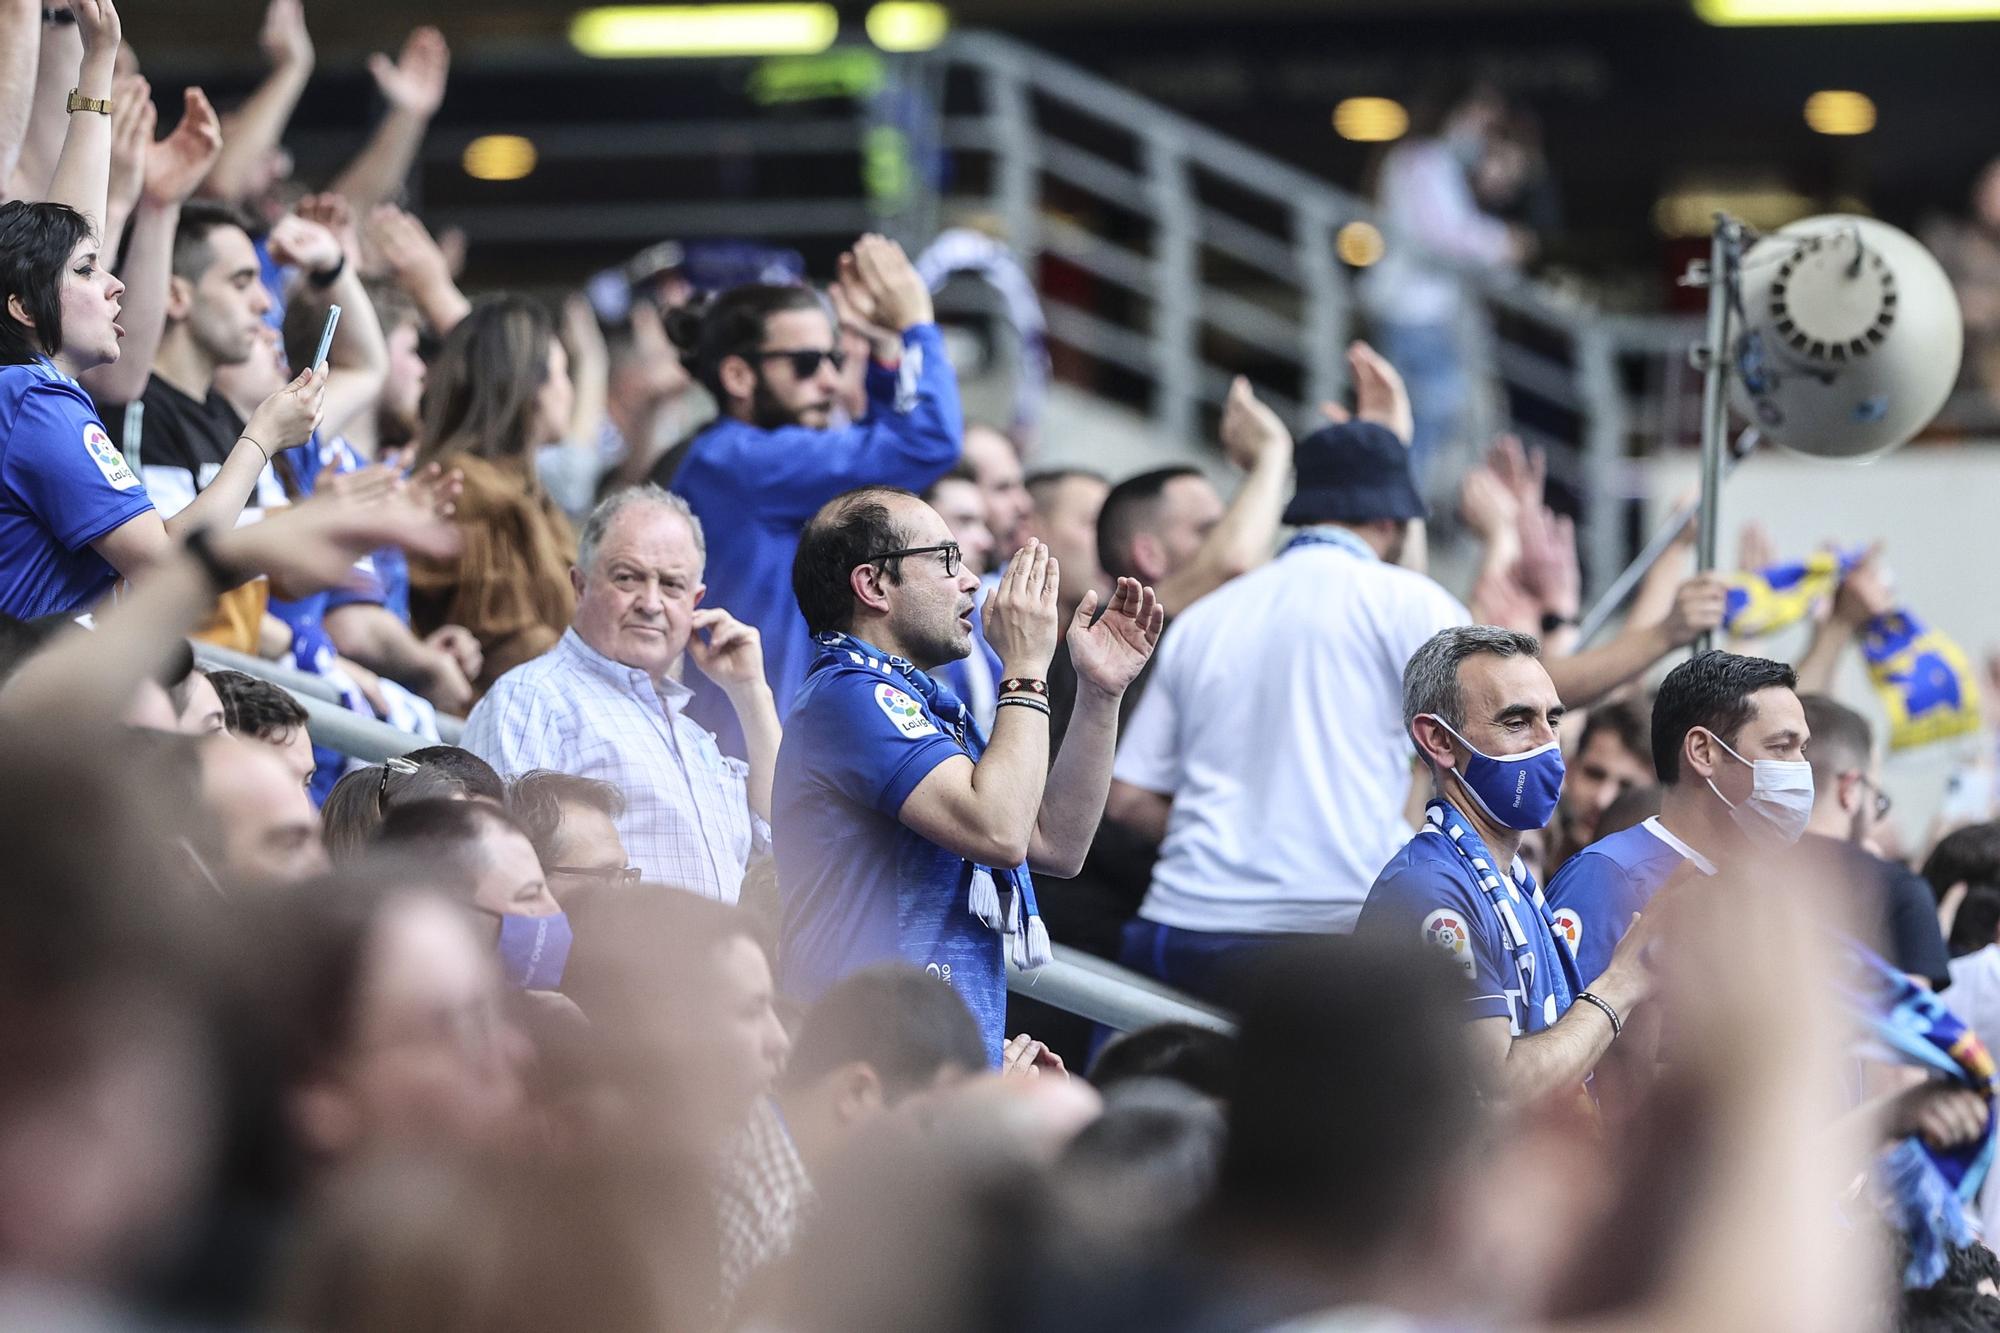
<point>78,102</point>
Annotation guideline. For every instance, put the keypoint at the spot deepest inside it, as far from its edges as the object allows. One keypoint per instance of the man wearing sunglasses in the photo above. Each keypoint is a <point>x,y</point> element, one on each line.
<point>904,830</point>
<point>1849,813</point>
<point>772,358</point>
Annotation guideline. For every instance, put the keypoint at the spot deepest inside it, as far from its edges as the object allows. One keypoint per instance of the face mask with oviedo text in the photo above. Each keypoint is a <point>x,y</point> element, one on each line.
<point>1516,791</point>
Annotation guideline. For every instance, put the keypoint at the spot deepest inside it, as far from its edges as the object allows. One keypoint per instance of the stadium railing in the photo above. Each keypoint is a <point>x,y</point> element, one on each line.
<point>1075,982</point>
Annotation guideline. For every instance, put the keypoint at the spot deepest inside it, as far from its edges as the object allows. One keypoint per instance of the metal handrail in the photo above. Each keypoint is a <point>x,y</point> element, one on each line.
<point>1076,983</point>
<point>303,686</point>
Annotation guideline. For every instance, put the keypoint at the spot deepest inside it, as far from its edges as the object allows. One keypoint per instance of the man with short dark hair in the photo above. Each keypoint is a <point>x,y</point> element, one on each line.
<point>466,770</point>
<point>1483,713</point>
<point>1067,502</point>
<point>771,359</point>
<point>874,1040</point>
<point>257,710</point>
<point>1170,528</point>
<point>572,823</point>
<point>264,828</point>
<point>606,701</point>
<point>1848,802</point>
<point>1614,756</point>
<point>483,857</point>
<point>902,831</point>
<point>962,504</point>
<point>1728,739</point>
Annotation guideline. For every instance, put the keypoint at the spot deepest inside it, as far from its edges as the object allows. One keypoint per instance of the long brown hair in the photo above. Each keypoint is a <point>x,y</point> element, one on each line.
<point>480,397</point>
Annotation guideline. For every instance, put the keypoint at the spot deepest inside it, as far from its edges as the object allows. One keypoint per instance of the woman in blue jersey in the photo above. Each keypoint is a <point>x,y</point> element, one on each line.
<point>73,515</point>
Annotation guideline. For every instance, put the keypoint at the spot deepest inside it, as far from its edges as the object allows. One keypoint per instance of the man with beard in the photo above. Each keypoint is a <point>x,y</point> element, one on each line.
<point>771,358</point>
<point>902,831</point>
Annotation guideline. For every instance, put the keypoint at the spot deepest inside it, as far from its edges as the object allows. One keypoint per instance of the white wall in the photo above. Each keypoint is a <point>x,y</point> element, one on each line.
<point>1937,512</point>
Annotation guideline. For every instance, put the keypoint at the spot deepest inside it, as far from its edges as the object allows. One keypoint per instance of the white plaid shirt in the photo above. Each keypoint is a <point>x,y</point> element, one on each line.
<point>687,818</point>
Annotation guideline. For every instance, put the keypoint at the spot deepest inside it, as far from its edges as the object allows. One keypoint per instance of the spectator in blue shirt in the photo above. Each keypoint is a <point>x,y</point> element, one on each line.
<point>771,358</point>
<point>74,515</point>
<point>901,830</point>
<point>1483,713</point>
<point>1723,727</point>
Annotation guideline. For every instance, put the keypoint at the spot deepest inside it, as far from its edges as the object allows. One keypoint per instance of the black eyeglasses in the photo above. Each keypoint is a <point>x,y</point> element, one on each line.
<point>601,874</point>
<point>1883,805</point>
<point>395,763</point>
<point>805,362</point>
<point>949,550</point>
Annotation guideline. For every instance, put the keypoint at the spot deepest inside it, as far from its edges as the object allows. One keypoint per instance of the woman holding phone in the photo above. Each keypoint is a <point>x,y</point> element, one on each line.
<point>74,516</point>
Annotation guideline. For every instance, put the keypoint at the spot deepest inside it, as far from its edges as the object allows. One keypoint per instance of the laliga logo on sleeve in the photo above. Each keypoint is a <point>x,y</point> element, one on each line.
<point>109,461</point>
<point>1569,928</point>
<point>905,712</point>
<point>1444,929</point>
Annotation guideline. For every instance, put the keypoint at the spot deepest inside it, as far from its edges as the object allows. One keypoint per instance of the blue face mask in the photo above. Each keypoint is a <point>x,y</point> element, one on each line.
<point>533,950</point>
<point>1516,791</point>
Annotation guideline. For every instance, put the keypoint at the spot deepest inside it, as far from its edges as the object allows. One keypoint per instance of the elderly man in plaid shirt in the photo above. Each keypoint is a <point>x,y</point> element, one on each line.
<point>606,701</point>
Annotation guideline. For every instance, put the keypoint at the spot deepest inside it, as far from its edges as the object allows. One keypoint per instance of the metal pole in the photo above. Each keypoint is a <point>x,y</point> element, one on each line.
<point>1656,546</point>
<point>1714,398</point>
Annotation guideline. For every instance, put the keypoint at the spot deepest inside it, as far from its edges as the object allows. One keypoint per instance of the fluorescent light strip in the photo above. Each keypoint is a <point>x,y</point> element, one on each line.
<point>632,31</point>
<point>1767,13</point>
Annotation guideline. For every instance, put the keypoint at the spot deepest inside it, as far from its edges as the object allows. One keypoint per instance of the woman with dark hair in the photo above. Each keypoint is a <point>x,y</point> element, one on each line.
<point>499,390</point>
<point>73,515</point>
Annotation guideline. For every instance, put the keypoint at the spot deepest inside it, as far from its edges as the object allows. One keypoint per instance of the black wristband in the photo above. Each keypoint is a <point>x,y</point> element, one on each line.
<point>59,17</point>
<point>1551,622</point>
<point>1603,1006</point>
<point>322,281</point>
<point>220,576</point>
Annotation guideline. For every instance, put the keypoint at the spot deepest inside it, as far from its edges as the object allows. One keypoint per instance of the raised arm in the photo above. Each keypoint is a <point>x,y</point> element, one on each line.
<point>413,86</point>
<point>1108,656</point>
<point>986,812</point>
<point>731,654</point>
<point>56,60</point>
<point>358,361</point>
<point>83,170</point>
<point>174,166</point>
<point>1257,442</point>
<point>255,130</point>
<point>1862,595</point>
<point>1588,676</point>
<point>418,266</point>
<point>20,47</point>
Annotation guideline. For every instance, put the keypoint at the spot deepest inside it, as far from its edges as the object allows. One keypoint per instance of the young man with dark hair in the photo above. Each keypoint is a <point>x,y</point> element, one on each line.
<point>1848,802</point>
<point>474,775</point>
<point>771,358</point>
<point>572,823</point>
<point>902,831</point>
<point>1614,756</point>
<point>257,710</point>
<point>1201,1058</point>
<point>1729,739</point>
<point>875,1039</point>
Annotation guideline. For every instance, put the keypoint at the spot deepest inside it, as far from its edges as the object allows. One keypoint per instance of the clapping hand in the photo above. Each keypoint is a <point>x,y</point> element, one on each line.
<point>176,164</point>
<point>885,284</point>
<point>414,81</point>
<point>1111,653</point>
<point>1020,612</point>
<point>1379,395</point>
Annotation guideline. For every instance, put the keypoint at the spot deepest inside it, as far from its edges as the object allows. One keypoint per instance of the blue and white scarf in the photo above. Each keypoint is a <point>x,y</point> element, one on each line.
<point>1340,539</point>
<point>1019,918</point>
<point>1522,893</point>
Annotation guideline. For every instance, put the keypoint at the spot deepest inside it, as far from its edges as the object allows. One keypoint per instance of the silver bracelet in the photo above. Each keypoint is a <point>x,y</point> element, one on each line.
<point>1604,1006</point>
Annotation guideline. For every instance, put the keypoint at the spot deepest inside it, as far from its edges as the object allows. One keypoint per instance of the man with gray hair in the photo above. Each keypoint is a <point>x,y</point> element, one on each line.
<point>1483,713</point>
<point>607,701</point>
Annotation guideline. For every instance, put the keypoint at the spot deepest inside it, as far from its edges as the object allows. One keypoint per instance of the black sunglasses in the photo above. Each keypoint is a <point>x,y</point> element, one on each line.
<point>395,763</point>
<point>805,363</point>
<point>601,874</point>
<point>949,550</point>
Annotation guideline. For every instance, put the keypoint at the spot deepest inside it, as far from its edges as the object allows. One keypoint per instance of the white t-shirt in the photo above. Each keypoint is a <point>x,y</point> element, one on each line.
<point>1974,996</point>
<point>1274,721</point>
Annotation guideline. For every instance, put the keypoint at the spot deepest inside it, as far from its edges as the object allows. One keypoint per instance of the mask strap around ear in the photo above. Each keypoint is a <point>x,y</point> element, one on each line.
<point>202,866</point>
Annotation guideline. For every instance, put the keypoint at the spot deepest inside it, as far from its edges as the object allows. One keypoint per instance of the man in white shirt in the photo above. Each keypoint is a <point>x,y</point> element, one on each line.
<point>1268,756</point>
<point>606,702</point>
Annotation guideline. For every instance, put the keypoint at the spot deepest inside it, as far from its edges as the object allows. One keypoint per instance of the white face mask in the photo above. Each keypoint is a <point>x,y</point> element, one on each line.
<point>1781,798</point>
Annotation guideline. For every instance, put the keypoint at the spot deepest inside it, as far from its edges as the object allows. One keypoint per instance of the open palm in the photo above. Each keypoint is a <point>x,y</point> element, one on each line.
<point>1111,653</point>
<point>177,163</point>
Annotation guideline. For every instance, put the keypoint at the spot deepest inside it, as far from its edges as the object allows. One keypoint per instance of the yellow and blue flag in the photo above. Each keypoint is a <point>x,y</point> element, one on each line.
<point>1762,601</point>
<point>1926,684</point>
